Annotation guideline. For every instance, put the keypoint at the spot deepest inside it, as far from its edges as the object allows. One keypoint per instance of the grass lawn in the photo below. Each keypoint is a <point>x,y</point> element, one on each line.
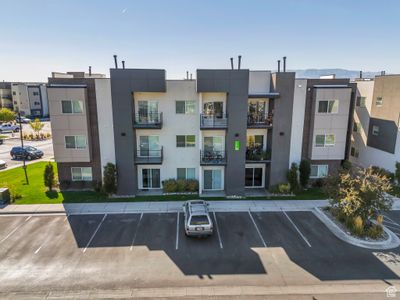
<point>37,193</point>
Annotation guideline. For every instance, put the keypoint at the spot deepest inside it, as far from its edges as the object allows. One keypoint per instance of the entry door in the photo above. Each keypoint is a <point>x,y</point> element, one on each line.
<point>212,179</point>
<point>254,177</point>
<point>151,178</point>
<point>149,146</point>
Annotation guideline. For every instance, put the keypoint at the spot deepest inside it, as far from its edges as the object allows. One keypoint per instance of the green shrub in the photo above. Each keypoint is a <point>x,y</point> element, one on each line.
<point>49,177</point>
<point>375,231</point>
<point>97,185</point>
<point>318,183</point>
<point>170,186</point>
<point>358,226</point>
<point>346,165</point>
<point>379,220</point>
<point>383,172</point>
<point>397,172</point>
<point>181,185</point>
<point>110,178</point>
<point>305,171</point>
<point>293,177</point>
<point>192,185</point>
<point>282,188</point>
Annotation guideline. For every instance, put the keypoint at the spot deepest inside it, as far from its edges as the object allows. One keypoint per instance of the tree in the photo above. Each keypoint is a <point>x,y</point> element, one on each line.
<point>110,178</point>
<point>49,178</point>
<point>36,125</point>
<point>397,172</point>
<point>6,115</point>
<point>292,177</point>
<point>360,192</point>
<point>305,171</point>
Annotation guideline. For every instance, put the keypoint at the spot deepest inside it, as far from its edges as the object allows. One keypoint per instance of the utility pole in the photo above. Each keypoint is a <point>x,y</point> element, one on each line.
<point>22,145</point>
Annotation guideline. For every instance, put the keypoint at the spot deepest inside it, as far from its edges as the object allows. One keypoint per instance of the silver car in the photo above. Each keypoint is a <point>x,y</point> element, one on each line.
<point>197,218</point>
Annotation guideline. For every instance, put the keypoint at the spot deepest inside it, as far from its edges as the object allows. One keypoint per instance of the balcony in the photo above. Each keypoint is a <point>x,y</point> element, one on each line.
<point>259,120</point>
<point>148,121</point>
<point>149,157</point>
<point>208,121</point>
<point>212,158</point>
<point>256,155</point>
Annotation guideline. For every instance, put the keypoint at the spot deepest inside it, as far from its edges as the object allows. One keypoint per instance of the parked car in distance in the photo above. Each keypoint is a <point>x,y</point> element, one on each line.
<point>197,218</point>
<point>27,152</point>
<point>23,120</point>
<point>3,164</point>
<point>8,127</point>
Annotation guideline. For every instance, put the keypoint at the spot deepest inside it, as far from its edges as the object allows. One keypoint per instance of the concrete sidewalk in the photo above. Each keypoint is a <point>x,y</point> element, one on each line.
<point>161,207</point>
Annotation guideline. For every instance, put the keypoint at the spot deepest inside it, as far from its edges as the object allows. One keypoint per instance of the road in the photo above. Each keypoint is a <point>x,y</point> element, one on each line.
<point>79,253</point>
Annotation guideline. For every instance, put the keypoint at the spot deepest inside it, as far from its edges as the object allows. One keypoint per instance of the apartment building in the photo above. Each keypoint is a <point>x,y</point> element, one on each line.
<point>375,134</point>
<point>30,99</point>
<point>81,122</point>
<point>234,130</point>
<point>5,95</point>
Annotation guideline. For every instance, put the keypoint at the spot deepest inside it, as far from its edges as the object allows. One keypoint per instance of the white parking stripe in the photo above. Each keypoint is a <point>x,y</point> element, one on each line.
<point>136,231</point>
<point>177,232</point>
<point>43,243</point>
<point>297,229</point>
<point>94,233</point>
<point>216,227</point>
<point>15,229</point>
<point>385,216</point>
<point>258,231</point>
<point>391,224</point>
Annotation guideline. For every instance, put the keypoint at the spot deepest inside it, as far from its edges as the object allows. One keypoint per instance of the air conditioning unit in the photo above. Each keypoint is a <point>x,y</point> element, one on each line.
<point>4,196</point>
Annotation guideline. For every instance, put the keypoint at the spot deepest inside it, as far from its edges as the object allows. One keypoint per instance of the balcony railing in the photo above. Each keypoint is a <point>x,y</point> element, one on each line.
<point>215,121</point>
<point>149,156</point>
<point>212,158</point>
<point>257,155</point>
<point>258,120</point>
<point>148,121</point>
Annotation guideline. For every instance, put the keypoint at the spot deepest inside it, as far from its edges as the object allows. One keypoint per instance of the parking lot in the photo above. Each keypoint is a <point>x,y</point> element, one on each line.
<point>61,252</point>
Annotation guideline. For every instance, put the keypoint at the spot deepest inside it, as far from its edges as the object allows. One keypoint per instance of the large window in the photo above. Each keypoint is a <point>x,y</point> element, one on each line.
<point>185,141</point>
<point>185,107</point>
<point>149,146</point>
<point>319,171</point>
<point>81,174</point>
<point>151,178</point>
<point>185,173</point>
<point>324,140</point>
<point>75,142</point>
<point>331,106</point>
<point>72,106</point>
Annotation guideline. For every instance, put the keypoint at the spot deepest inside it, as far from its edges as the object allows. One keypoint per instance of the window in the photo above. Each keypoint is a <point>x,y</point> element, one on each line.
<point>35,93</point>
<point>81,174</point>
<point>71,106</point>
<point>185,141</point>
<point>360,101</point>
<point>185,173</point>
<point>331,106</point>
<point>319,171</point>
<point>185,107</point>
<point>324,140</point>
<point>354,152</point>
<point>151,178</point>
<point>14,93</point>
<point>356,127</point>
<point>254,177</point>
<point>379,101</point>
<point>375,130</point>
<point>75,142</point>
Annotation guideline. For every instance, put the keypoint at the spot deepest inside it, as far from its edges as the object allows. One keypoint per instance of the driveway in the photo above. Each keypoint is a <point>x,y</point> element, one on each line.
<point>150,250</point>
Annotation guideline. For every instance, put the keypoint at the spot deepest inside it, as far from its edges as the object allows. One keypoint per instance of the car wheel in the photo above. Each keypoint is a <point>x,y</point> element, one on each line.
<point>29,157</point>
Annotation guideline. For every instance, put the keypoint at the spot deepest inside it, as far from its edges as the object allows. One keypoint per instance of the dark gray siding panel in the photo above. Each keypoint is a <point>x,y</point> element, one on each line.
<point>123,83</point>
<point>283,83</point>
<point>386,139</point>
<point>236,84</point>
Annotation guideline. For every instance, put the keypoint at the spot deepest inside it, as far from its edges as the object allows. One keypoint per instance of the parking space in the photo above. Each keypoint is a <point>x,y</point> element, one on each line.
<point>267,247</point>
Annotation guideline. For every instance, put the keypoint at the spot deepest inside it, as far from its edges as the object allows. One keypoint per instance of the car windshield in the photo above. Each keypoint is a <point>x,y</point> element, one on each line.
<point>199,220</point>
<point>29,148</point>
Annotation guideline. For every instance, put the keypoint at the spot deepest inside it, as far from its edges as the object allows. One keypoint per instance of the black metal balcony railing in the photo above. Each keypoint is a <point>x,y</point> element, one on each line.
<point>212,157</point>
<point>148,121</point>
<point>258,120</point>
<point>213,121</point>
<point>149,156</point>
<point>257,155</point>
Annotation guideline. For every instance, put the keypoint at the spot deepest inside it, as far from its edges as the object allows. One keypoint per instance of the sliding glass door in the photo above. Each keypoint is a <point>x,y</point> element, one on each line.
<point>254,177</point>
<point>151,178</point>
<point>213,179</point>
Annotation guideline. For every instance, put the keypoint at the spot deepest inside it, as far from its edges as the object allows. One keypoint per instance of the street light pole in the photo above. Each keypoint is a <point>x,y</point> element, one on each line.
<point>22,145</point>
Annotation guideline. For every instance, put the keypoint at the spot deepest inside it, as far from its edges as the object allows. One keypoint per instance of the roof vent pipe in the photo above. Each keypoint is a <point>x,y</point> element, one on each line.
<point>383,73</point>
<point>279,65</point>
<point>284,64</point>
<point>232,63</point>
<point>239,61</point>
<point>90,70</point>
<point>191,76</point>
<point>115,61</point>
<point>187,75</point>
<point>123,64</point>
<point>360,74</point>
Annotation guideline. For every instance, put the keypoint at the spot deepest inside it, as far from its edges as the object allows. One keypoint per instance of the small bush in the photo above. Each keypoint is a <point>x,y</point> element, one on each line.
<point>192,185</point>
<point>282,188</point>
<point>346,165</point>
<point>379,220</point>
<point>14,194</point>
<point>318,183</point>
<point>65,184</point>
<point>375,231</point>
<point>305,171</point>
<point>169,186</point>
<point>49,177</point>
<point>97,186</point>
<point>383,172</point>
<point>48,135</point>
<point>180,186</point>
<point>110,178</point>
<point>358,226</point>
<point>292,177</point>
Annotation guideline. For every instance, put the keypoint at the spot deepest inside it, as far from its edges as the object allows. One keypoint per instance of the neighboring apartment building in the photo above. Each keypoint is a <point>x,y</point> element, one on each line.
<point>30,99</point>
<point>5,95</point>
<point>375,136</point>
<point>235,131</point>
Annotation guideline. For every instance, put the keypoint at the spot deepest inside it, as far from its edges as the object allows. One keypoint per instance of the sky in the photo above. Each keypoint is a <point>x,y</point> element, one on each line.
<point>41,36</point>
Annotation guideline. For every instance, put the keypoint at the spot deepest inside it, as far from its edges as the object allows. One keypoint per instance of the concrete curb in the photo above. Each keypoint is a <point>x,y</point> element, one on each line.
<point>392,242</point>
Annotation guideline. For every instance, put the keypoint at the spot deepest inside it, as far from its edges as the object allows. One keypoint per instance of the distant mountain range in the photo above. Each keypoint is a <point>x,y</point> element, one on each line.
<point>340,73</point>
